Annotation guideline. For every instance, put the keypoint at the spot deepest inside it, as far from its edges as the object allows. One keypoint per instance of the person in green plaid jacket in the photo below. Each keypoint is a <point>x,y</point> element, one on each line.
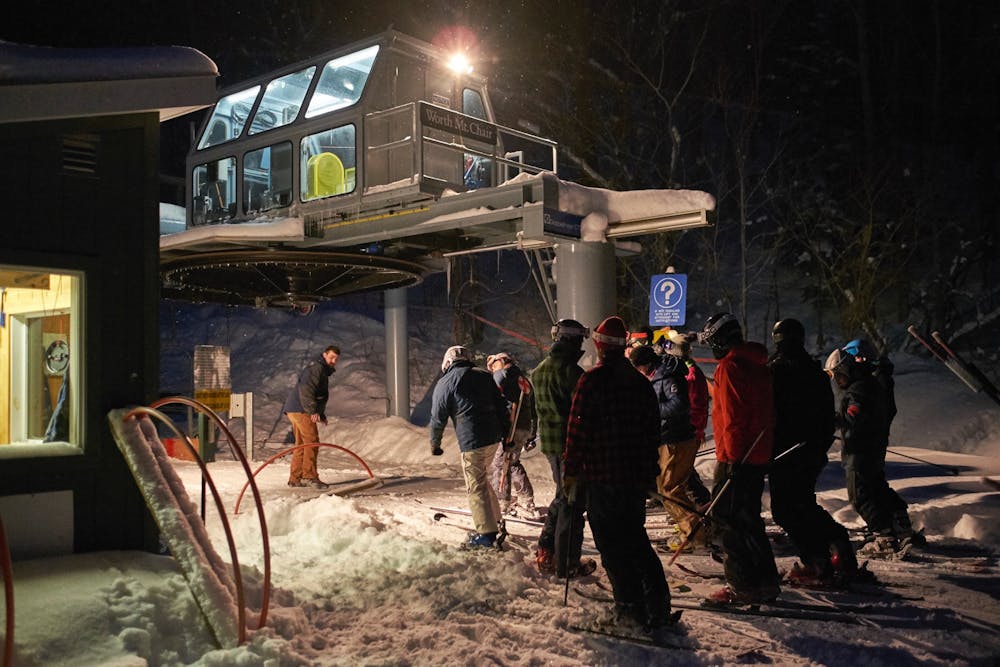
<point>561,541</point>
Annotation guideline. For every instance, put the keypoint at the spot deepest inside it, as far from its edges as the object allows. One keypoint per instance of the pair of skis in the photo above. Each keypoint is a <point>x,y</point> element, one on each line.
<point>966,371</point>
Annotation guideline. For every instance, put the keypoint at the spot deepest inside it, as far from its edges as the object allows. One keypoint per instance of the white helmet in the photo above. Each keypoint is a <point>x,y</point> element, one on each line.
<point>840,362</point>
<point>499,356</point>
<point>453,354</point>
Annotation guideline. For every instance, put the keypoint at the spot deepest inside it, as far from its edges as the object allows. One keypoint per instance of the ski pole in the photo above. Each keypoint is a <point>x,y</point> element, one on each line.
<point>715,500</point>
<point>505,474</point>
<point>660,498</point>
<point>569,537</point>
<point>789,450</point>
<point>951,469</point>
<point>508,453</point>
<point>704,515</point>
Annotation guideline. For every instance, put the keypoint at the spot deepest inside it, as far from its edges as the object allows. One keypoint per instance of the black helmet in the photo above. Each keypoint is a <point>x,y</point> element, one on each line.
<point>570,331</point>
<point>790,331</point>
<point>722,331</point>
<point>643,355</point>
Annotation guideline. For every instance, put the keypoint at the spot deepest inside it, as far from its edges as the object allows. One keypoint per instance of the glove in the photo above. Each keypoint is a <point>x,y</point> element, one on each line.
<point>569,488</point>
<point>531,443</point>
<point>436,450</point>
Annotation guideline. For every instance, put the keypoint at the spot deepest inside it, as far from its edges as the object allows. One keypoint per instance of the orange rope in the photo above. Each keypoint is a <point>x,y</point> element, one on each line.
<point>530,341</point>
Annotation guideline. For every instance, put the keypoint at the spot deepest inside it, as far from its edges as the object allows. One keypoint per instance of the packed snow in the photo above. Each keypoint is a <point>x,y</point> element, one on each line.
<point>372,578</point>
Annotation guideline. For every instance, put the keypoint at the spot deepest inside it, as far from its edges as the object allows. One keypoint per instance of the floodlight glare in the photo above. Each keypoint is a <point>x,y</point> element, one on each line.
<point>459,63</point>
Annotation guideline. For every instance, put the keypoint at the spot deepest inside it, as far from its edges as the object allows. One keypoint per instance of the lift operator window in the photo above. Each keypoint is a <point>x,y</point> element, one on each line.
<point>41,365</point>
<point>281,101</point>
<point>342,82</point>
<point>228,118</point>
<point>329,162</point>
<point>214,187</point>
<point>267,178</point>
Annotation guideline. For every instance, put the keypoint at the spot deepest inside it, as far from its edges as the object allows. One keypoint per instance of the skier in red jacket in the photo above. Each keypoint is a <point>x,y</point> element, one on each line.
<point>743,423</point>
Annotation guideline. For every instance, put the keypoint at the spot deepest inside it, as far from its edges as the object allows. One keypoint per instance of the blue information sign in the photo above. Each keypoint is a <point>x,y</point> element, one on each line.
<point>668,299</point>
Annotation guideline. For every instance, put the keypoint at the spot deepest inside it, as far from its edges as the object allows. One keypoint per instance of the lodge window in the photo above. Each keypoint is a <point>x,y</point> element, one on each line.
<point>42,373</point>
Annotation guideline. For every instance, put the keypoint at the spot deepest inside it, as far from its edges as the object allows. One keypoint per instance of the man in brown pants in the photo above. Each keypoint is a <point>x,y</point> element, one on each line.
<point>306,407</point>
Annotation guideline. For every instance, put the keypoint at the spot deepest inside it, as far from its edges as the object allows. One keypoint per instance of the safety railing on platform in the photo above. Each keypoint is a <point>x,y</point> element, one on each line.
<point>238,454</point>
<point>237,575</point>
<point>194,453</point>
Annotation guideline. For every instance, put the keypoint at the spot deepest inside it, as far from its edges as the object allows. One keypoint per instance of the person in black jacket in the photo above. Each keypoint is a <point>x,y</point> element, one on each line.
<point>612,438</point>
<point>305,408</point>
<point>803,433</point>
<point>863,418</point>
<point>881,368</point>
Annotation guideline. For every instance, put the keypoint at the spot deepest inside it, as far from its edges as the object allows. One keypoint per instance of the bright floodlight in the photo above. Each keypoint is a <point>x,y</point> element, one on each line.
<point>459,63</point>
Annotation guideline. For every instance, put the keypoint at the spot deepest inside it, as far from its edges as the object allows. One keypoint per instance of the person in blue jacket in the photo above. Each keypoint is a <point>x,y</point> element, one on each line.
<point>469,396</point>
<point>678,445</point>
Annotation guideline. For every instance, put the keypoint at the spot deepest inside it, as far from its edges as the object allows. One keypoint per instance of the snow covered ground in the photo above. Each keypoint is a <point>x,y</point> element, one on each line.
<point>374,579</point>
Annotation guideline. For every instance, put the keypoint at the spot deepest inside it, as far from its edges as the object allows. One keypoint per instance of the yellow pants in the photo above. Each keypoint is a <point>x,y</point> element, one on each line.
<point>483,501</point>
<point>676,464</point>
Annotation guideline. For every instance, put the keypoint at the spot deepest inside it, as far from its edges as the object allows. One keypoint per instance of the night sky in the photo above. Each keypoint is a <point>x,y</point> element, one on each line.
<point>798,116</point>
<point>915,49</point>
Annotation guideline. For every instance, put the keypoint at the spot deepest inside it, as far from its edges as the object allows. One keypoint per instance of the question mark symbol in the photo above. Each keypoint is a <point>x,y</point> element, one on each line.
<point>668,287</point>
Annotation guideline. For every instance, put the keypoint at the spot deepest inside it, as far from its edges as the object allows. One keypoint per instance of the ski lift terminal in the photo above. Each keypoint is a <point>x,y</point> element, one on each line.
<point>365,168</point>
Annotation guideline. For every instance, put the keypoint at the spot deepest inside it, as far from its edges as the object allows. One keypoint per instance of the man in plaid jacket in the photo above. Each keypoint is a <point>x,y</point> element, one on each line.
<point>611,460</point>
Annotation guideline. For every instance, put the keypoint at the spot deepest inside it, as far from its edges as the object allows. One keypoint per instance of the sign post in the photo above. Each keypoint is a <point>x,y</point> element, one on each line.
<point>211,387</point>
<point>668,299</point>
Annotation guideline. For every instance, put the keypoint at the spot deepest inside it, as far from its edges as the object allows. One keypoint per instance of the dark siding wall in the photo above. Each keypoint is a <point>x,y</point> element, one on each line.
<point>81,194</point>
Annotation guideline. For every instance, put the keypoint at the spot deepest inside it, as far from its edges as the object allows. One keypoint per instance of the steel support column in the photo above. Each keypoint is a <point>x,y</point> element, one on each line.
<point>397,364</point>
<point>585,286</point>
